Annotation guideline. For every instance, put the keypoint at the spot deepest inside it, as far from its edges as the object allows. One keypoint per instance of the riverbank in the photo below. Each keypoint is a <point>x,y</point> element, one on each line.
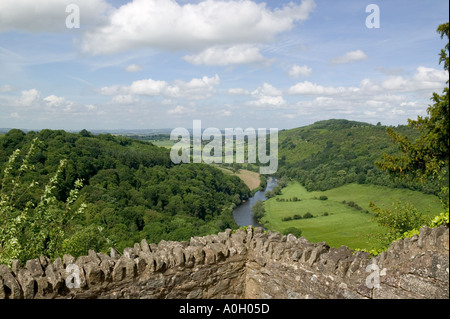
<point>243,215</point>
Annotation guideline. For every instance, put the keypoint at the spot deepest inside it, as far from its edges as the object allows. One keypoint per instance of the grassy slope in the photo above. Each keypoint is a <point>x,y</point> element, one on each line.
<point>344,225</point>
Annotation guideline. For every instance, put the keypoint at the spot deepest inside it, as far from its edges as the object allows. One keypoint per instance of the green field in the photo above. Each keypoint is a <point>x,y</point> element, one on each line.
<point>344,225</point>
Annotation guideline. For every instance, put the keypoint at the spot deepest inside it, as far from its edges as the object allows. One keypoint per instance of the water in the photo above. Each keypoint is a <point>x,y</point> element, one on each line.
<point>243,215</point>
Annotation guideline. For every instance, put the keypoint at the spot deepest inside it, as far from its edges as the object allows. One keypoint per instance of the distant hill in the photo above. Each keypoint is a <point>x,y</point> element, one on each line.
<point>331,153</point>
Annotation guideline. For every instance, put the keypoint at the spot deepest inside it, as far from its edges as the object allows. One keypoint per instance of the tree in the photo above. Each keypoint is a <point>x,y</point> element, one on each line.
<point>402,218</point>
<point>428,156</point>
<point>430,152</point>
<point>258,210</point>
<point>40,227</point>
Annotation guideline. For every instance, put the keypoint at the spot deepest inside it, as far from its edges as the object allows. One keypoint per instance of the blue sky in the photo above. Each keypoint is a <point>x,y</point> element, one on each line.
<point>142,64</point>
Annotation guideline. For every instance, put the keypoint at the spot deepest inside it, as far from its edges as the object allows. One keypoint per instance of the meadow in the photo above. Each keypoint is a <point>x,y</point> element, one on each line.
<point>336,222</point>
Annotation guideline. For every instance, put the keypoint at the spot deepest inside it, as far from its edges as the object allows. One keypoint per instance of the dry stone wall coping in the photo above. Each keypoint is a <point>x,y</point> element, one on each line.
<point>247,263</point>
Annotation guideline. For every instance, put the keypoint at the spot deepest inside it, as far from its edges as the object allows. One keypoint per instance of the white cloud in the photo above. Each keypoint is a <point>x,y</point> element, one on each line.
<point>427,79</point>
<point>6,88</point>
<point>133,68</point>
<point>297,70</point>
<point>266,90</point>
<point>269,101</point>
<point>219,55</point>
<point>238,91</point>
<point>195,89</point>
<point>168,25</point>
<point>308,88</point>
<point>54,100</point>
<point>180,110</point>
<point>146,87</point>
<point>124,99</point>
<point>48,15</point>
<point>348,57</point>
<point>267,95</point>
<point>29,97</point>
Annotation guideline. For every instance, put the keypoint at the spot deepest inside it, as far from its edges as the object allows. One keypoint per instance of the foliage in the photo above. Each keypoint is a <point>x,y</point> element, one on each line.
<point>428,156</point>
<point>39,227</point>
<point>402,218</point>
<point>131,191</point>
<point>294,231</point>
<point>332,153</point>
<point>258,210</point>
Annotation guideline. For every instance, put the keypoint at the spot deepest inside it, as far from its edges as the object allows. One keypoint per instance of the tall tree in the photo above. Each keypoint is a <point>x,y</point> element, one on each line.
<point>428,156</point>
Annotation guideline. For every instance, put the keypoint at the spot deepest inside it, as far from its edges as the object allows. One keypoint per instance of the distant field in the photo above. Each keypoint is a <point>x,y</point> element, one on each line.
<point>344,225</point>
<point>163,143</point>
<point>251,179</point>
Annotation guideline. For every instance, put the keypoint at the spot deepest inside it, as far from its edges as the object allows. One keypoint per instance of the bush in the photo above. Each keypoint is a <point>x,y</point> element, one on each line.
<point>308,215</point>
<point>286,219</point>
<point>296,216</point>
<point>323,197</point>
<point>325,214</point>
<point>294,231</point>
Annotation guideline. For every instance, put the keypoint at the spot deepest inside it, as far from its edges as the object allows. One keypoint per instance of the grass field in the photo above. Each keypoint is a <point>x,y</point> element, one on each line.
<point>163,143</point>
<point>343,225</point>
<point>251,179</point>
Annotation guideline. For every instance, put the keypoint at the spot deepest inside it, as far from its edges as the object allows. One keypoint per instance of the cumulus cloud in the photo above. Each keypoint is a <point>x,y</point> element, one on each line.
<point>348,57</point>
<point>168,25</point>
<point>267,95</point>
<point>238,91</point>
<point>308,88</point>
<point>178,110</point>
<point>195,89</point>
<point>133,68</point>
<point>29,97</point>
<point>6,88</point>
<point>427,79</point>
<point>219,55</point>
<point>48,15</point>
<point>297,70</point>
<point>124,99</point>
<point>266,90</point>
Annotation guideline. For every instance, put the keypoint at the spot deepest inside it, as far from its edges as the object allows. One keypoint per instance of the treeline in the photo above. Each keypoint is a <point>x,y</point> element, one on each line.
<point>131,189</point>
<point>332,153</point>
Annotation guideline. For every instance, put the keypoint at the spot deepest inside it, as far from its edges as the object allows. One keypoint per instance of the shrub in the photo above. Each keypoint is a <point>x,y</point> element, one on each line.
<point>286,219</point>
<point>294,231</point>
<point>296,216</point>
<point>323,197</point>
<point>308,215</point>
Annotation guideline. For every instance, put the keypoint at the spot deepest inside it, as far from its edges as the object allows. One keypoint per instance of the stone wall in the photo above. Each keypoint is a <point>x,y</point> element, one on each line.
<point>243,264</point>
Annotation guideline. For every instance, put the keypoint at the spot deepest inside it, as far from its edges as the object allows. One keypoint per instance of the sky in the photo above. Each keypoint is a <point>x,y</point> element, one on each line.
<point>151,64</point>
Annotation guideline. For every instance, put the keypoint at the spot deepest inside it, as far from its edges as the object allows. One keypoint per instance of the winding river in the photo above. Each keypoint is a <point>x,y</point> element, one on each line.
<point>243,215</point>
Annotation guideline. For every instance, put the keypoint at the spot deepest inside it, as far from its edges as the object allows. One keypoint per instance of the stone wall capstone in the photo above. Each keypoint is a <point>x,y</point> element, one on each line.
<point>247,263</point>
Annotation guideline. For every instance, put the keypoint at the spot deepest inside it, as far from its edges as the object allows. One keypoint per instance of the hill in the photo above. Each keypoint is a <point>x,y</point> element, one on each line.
<point>331,153</point>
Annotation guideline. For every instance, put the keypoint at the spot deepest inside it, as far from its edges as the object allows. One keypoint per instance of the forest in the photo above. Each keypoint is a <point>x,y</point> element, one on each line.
<point>332,153</point>
<point>112,190</point>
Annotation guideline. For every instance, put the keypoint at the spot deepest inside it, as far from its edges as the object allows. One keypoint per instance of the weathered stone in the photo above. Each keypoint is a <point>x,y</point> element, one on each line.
<point>145,247</point>
<point>27,283</point>
<point>94,257</point>
<point>114,253</point>
<point>53,277</point>
<point>94,274</point>
<point>244,264</point>
<point>35,268</point>
<point>14,290</point>
<point>68,260</point>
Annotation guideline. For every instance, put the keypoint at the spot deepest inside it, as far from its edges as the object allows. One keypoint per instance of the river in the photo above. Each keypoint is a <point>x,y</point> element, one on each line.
<point>243,215</point>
